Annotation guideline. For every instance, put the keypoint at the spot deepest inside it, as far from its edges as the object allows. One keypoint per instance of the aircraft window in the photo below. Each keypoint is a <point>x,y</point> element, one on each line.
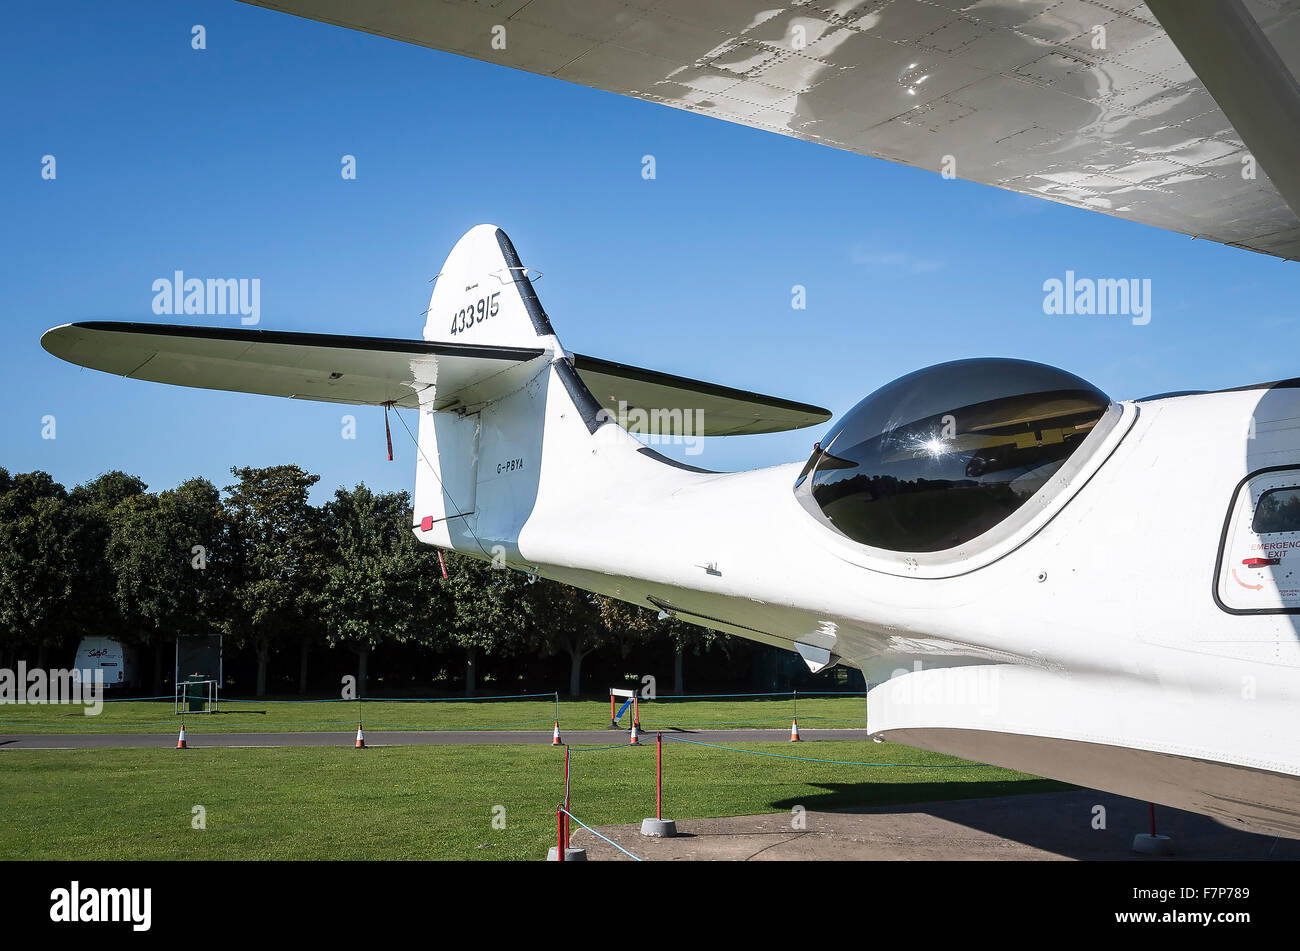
<point>944,454</point>
<point>1278,511</point>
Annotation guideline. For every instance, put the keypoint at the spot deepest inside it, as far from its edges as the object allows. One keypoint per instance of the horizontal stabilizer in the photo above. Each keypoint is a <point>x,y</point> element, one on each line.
<point>333,368</point>
<point>647,401</point>
<point>377,370</point>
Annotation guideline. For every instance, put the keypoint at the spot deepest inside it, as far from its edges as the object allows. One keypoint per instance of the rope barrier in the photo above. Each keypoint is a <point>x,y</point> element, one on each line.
<point>809,759</point>
<point>234,727</point>
<point>780,719</point>
<point>782,693</point>
<point>599,836</point>
<point>706,724</point>
<point>110,727</point>
<point>862,720</point>
<point>514,696</point>
<point>456,729</point>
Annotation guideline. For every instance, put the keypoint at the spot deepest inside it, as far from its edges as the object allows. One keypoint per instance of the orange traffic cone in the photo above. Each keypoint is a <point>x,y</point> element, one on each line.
<point>555,737</point>
<point>794,730</point>
<point>180,740</point>
<point>361,738</point>
<point>636,732</point>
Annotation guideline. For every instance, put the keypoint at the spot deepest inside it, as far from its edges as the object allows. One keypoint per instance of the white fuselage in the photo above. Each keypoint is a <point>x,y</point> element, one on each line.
<point>1093,638</point>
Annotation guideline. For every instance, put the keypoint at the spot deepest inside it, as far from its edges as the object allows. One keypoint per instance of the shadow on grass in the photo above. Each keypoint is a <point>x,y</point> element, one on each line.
<point>866,795</point>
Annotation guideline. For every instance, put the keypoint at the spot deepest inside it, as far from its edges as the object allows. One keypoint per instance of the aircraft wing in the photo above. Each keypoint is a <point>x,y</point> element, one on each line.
<point>332,368</point>
<point>338,368</point>
<point>1170,113</point>
<point>662,400</point>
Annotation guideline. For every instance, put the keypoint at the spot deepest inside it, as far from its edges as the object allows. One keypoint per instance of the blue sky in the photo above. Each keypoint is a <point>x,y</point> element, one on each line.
<point>225,162</point>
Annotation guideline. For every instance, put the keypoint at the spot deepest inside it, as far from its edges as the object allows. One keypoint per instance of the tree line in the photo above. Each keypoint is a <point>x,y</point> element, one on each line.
<point>256,562</point>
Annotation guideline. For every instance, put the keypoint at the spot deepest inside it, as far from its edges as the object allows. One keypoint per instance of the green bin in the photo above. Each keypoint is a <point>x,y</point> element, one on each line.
<point>196,693</point>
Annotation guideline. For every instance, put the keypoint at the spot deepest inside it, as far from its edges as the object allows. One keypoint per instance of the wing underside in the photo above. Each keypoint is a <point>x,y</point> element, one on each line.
<point>1086,102</point>
<point>408,373</point>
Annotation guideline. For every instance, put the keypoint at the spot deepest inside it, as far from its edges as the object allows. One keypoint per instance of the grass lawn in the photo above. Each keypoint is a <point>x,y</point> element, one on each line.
<point>427,802</point>
<point>252,716</point>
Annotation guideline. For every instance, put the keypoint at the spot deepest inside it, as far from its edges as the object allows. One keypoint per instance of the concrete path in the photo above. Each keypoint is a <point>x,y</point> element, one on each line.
<point>1044,826</point>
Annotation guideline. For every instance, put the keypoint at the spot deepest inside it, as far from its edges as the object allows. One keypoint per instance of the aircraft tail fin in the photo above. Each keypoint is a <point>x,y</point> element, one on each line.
<point>483,295</point>
<point>479,460</point>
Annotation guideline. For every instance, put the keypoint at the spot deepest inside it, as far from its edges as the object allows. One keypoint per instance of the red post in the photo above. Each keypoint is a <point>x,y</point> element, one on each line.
<point>566,797</point>
<point>559,833</point>
<point>659,776</point>
<point>611,708</point>
<point>636,711</point>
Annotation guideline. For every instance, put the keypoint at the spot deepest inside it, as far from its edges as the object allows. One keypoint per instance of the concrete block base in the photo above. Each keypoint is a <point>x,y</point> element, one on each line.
<point>1147,844</point>
<point>659,828</point>
<point>570,855</point>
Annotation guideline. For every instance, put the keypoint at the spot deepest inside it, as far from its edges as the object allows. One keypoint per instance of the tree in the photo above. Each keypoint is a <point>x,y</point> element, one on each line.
<point>276,558</point>
<point>42,561</point>
<point>166,560</point>
<point>567,620</point>
<point>380,584</point>
<point>107,490</point>
<point>489,613</point>
<point>627,625</point>
<point>684,637</point>
<point>95,607</point>
<point>630,625</point>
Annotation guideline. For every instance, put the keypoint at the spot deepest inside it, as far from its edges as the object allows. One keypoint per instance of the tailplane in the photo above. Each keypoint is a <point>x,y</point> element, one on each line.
<point>499,398</point>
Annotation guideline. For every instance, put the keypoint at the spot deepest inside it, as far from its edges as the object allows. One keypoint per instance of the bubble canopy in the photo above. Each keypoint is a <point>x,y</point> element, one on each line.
<point>943,455</point>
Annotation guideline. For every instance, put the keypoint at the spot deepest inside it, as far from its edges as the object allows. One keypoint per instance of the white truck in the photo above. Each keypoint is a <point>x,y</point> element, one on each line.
<point>115,659</point>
